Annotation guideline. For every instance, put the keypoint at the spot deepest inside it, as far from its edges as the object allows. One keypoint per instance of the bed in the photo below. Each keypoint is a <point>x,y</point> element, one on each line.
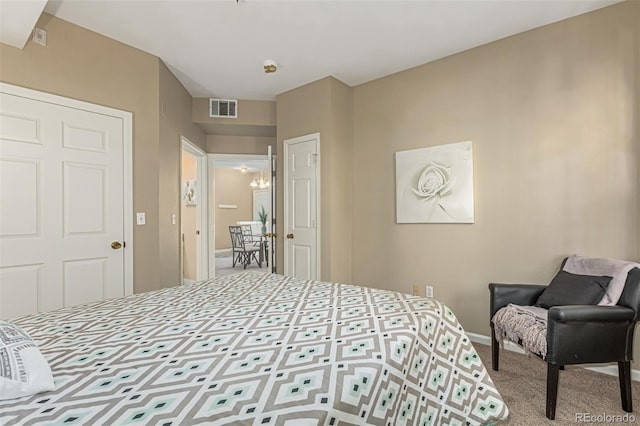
<point>258,348</point>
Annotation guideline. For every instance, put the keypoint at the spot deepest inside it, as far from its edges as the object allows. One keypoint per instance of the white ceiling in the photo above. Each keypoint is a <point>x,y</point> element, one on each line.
<point>17,19</point>
<point>218,47</point>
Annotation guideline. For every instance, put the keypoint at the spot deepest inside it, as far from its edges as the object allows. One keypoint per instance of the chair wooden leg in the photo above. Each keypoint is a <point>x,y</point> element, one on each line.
<point>495,351</point>
<point>553,373</point>
<point>624,375</point>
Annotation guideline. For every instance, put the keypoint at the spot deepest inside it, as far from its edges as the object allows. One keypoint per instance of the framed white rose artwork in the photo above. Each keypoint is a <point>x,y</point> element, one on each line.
<point>435,184</point>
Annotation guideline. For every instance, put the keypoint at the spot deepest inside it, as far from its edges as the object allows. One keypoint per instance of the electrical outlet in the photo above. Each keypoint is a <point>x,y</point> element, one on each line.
<point>429,291</point>
<point>416,290</point>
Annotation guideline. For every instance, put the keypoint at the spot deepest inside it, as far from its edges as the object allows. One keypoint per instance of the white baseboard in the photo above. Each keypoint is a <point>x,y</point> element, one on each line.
<point>485,340</point>
<point>188,281</point>
<point>611,370</point>
<point>227,250</point>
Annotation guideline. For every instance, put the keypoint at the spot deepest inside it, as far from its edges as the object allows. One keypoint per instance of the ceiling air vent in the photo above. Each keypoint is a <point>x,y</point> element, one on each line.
<point>227,108</point>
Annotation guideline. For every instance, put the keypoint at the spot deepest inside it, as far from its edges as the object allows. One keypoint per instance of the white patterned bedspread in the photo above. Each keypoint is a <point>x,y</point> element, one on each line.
<point>258,349</point>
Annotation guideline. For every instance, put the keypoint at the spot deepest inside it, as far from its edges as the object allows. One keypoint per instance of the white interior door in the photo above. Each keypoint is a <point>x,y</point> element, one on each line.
<point>301,259</point>
<point>62,210</point>
<point>272,220</point>
<point>261,198</point>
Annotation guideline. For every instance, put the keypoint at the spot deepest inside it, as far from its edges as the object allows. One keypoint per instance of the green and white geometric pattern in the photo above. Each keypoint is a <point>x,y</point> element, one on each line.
<point>258,349</point>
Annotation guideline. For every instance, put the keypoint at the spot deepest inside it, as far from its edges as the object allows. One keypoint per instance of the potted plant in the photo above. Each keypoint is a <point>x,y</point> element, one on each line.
<point>262,215</point>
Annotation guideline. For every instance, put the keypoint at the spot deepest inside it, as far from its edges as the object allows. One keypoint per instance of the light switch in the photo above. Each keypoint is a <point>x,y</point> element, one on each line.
<point>141,218</point>
<point>173,218</point>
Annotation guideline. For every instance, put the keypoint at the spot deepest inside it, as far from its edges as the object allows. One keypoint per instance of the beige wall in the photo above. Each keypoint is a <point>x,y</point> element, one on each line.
<point>231,187</point>
<point>188,220</point>
<point>341,154</point>
<point>83,65</point>
<point>553,115</point>
<point>325,107</point>
<point>224,144</point>
<point>636,12</point>
<point>175,120</point>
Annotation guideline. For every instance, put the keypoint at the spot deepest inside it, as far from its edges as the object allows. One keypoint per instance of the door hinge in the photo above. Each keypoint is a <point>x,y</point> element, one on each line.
<point>315,158</point>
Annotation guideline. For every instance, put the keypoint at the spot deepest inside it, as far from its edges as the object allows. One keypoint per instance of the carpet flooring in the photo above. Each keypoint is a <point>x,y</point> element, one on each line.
<point>522,382</point>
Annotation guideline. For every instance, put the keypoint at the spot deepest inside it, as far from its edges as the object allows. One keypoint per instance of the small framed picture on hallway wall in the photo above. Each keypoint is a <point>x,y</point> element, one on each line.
<point>189,193</point>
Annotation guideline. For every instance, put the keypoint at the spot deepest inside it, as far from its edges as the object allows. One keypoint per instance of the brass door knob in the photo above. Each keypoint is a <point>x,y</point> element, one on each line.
<point>116,245</point>
<point>290,236</point>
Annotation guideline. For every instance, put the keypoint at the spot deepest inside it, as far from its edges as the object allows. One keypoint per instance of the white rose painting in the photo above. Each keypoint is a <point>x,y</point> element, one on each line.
<point>435,184</point>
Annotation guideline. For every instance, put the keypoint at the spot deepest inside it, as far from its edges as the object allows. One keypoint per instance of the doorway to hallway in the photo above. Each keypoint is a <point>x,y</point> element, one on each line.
<point>193,214</point>
<point>241,196</point>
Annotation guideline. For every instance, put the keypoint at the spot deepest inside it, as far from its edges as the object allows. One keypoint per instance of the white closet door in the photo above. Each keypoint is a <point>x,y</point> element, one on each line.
<point>61,192</point>
<point>301,207</point>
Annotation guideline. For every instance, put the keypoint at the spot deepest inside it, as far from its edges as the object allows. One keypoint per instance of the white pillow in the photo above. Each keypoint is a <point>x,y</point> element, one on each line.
<point>23,369</point>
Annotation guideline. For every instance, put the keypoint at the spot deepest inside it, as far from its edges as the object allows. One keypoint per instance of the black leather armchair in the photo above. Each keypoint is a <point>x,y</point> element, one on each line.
<point>579,334</point>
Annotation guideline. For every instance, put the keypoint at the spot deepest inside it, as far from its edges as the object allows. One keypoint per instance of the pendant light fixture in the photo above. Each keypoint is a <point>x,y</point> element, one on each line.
<point>259,183</point>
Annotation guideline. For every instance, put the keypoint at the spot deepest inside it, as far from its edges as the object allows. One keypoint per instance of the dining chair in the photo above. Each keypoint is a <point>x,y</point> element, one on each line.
<point>252,238</point>
<point>242,251</point>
